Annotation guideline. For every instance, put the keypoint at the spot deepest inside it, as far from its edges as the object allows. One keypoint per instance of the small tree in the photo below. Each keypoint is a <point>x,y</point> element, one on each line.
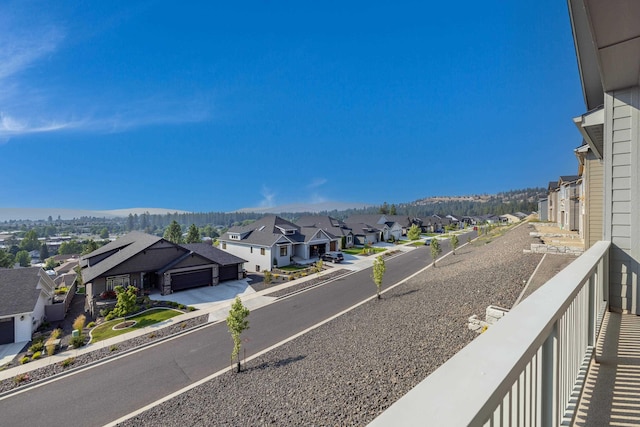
<point>237,323</point>
<point>126,303</point>
<point>104,233</point>
<point>378,273</point>
<point>435,250</point>
<point>193,235</point>
<point>23,258</point>
<point>414,232</point>
<point>268,277</point>
<point>317,267</point>
<point>454,243</point>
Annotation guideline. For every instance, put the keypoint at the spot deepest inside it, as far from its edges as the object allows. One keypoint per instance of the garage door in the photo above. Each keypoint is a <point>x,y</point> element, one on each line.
<point>190,279</point>
<point>7,331</point>
<point>230,272</point>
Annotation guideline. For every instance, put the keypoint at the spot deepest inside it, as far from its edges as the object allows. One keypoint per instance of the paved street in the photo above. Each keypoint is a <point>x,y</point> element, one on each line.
<point>100,394</point>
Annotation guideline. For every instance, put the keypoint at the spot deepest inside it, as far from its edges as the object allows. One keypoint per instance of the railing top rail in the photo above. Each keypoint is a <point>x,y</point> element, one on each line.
<point>463,390</point>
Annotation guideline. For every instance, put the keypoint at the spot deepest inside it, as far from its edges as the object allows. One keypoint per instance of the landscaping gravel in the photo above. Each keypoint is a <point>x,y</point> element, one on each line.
<point>351,369</point>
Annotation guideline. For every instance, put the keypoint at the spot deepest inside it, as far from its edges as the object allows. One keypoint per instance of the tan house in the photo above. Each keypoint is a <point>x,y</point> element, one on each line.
<point>590,168</point>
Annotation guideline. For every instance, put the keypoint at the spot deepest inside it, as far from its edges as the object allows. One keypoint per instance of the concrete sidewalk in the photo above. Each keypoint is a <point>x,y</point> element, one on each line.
<point>214,301</point>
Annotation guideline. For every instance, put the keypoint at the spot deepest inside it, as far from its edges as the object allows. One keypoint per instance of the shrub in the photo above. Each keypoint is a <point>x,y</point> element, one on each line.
<point>113,348</point>
<point>105,311</point>
<point>55,334</point>
<point>20,378</point>
<point>191,308</point>
<point>182,306</point>
<point>62,290</point>
<point>152,335</point>
<point>110,316</point>
<point>51,349</point>
<point>91,324</point>
<point>108,295</point>
<point>78,324</point>
<point>67,362</point>
<point>24,360</point>
<point>37,355</point>
<point>36,346</point>
<point>78,341</point>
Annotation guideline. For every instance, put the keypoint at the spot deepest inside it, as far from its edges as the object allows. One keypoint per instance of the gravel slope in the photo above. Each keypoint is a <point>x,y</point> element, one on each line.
<point>349,370</point>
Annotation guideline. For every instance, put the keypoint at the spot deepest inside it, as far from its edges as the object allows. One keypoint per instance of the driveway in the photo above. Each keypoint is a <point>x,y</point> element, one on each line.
<point>207,296</point>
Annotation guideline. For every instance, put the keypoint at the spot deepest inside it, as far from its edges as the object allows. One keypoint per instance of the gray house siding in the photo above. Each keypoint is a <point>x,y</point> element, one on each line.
<point>622,186</point>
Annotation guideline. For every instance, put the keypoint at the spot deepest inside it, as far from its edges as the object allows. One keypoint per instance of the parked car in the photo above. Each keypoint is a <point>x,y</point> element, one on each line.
<point>333,256</point>
<point>427,242</point>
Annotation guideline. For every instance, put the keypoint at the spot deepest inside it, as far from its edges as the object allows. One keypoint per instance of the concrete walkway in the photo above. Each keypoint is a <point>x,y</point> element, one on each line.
<point>611,395</point>
<point>214,301</point>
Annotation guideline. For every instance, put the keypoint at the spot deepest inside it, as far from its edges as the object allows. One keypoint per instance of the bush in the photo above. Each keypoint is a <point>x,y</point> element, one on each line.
<point>191,308</point>
<point>51,349</point>
<point>37,355</point>
<point>91,324</point>
<point>105,311</point>
<point>20,378</point>
<point>62,290</point>
<point>55,334</point>
<point>108,295</point>
<point>36,346</point>
<point>78,324</point>
<point>113,348</point>
<point>24,360</point>
<point>110,316</point>
<point>67,362</point>
<point>182,306</point>
<point>78,341</point>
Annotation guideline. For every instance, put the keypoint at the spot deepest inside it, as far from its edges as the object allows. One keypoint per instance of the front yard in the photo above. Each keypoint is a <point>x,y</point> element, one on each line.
<point>146,318</point>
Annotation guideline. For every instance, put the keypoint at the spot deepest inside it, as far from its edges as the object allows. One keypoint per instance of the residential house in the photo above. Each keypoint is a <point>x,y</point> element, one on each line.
<point>553,189</point>
<point>331,225</point>
<point>569,202</point>
<point>543,209</point>
<point>275,242</point>
<point>150,262</point>
<point>25,294</point>
<point>387,227</point>
<point>509,219</point>
<point>590,168</point>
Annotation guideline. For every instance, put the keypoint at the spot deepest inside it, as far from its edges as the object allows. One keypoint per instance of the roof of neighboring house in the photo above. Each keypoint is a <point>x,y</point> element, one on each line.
<point>331,225</point>
<point>18,287</point>
<point>403,220</point>
<point>214,254</point>
<point>265,232</point>
<point>553,185</point>
<point>137,238</point>
<point>361,227</point>
<point>569,178</point>
<point>367,219</point>
<point>66,279</point>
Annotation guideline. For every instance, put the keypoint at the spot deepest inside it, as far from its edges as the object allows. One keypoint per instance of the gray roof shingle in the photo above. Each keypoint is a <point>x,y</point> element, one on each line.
<point>18,290</point>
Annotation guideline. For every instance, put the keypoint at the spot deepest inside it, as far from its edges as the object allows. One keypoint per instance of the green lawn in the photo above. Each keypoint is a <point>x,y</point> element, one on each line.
<point>358,251</point>
<point>104,331</point>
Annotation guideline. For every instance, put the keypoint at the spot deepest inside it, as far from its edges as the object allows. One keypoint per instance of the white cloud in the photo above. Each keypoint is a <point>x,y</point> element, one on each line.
<point>35,106</point>
<point>317,182</point>
<point>268,197</point>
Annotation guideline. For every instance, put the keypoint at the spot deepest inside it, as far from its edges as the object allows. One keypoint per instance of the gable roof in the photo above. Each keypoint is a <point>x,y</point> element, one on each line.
<point>18,287</point>
<point>131,244</point>
<point>332,226</point>
<point>213,254</point>
<point>265,232</point>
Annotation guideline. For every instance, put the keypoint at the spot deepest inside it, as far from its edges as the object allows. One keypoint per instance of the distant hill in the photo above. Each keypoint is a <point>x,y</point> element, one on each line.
<point>307,207</point>
<point>8,214</point>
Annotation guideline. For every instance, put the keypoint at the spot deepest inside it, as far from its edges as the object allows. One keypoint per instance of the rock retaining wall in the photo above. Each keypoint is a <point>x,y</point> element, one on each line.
<point>540,248</point>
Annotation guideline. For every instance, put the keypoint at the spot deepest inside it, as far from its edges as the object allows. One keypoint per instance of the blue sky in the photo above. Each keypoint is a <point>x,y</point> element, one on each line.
<point>216,106</point>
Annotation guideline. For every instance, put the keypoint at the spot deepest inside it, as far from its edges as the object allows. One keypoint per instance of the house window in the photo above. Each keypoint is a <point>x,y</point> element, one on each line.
<point>261,251</point>
<point>234,236</point>
<point>283,251</point>
<point>114,281</point>
<point>224,245</point>
<point>251,249</point>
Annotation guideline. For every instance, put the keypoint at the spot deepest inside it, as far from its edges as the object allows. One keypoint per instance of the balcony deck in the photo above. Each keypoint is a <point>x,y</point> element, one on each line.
<point>611,395</point>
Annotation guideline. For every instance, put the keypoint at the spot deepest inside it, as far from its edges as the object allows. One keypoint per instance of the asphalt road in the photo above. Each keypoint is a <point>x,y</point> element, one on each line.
<point>102,393</point>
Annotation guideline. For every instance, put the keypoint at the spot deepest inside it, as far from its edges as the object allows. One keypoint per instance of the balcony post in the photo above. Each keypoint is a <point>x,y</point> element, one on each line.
<point>549,380</point>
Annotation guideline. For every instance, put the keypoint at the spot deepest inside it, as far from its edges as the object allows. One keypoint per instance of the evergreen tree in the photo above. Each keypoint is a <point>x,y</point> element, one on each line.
<point>173,233</point>
<point>44,252</point>
<point>193,235</point>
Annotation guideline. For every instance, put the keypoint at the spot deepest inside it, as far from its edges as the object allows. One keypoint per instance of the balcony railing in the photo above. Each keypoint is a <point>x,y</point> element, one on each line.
<point>529,368</point>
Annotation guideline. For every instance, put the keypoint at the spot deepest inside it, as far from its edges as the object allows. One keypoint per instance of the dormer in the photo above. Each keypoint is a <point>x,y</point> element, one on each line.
<point>286,230</point>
